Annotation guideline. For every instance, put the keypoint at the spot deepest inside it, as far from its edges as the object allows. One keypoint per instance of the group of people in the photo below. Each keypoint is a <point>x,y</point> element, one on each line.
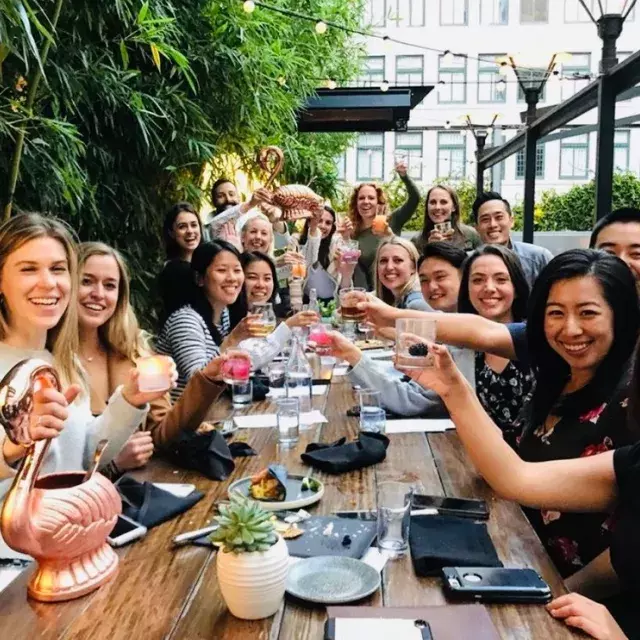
<point>538,378</point>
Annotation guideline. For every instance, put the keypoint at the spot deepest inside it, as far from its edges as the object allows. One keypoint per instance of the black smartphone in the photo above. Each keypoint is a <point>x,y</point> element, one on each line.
<point>461,507</point>
<point>495,584</point>
<point>368,516</point>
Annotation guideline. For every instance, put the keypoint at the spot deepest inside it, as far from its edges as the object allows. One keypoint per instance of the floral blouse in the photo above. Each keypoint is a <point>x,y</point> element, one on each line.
<point>575,539</point>
<point>503,395</point>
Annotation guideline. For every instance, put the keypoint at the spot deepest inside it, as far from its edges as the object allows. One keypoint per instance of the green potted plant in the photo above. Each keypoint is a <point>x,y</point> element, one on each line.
<point>253,560</point>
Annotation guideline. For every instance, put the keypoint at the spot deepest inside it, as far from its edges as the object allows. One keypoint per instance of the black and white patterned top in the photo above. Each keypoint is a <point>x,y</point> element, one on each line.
<point>186,338</point>
<point>504,394</point>
<point>224,328</point>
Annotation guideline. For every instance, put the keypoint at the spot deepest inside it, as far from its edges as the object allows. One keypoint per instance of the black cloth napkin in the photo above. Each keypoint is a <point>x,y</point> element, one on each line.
<point>445,541</point>
<point>341,456</point>
<point>149,505</point>
<point>207,453</point>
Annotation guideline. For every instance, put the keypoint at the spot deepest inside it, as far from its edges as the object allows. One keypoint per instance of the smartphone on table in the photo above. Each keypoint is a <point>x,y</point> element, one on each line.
<point>125,531</point>
<point>460,507</point>
<point>495,584</point>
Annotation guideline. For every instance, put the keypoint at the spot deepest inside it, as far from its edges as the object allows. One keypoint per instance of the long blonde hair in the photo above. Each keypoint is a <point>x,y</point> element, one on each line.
<point>121,333</point>
<point>258,216</point>
<point>62,340</point>
<point>383,292</point>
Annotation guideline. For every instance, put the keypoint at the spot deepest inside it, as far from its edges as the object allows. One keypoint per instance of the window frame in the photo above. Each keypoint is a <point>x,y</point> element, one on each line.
<point>410,71</point>
<point>359,176</point>
<point>408,149</point>
<point>382,24</point>
<point>455,24</point>
<point>575,69</point>
<point>409,21</point>
<point>370,83</point>
<point>450,147</point>
<point>456,71</point>
<point>626,146</point>
<point>492,22</point>
<point>496,77</point>
<point>540,150</point>
<point>569,143</point>
<point>533,21</point>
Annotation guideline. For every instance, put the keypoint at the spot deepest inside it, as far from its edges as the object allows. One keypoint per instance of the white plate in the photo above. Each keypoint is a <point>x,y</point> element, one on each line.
<point>295,499</point>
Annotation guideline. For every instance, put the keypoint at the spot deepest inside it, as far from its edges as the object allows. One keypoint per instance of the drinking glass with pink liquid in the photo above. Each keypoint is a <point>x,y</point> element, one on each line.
<point>319,335</point>
<point>350,251</point>
<point>236,369</point>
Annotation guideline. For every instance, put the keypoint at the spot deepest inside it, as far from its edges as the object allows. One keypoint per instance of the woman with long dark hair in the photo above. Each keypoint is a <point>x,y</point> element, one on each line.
<point>181,234</point>
<point>443,205</point>
<point>213,319</point>
<point>494,286</point>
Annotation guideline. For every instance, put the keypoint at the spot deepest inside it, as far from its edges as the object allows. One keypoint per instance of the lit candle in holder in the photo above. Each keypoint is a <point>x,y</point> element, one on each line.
<point>155,373</point>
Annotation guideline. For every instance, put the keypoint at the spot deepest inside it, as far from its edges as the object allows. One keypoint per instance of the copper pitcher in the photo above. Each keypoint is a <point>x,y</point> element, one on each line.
<point>61,519</point>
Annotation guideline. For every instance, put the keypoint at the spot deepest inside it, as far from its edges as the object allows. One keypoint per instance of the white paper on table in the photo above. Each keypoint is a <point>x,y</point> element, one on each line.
<point>376,628</point>
<point>372,557</point>
<point>340,370</point>
<point>298,392</point>
<point>267,420</point>
<point>380,353</point>
<point>419,426</point>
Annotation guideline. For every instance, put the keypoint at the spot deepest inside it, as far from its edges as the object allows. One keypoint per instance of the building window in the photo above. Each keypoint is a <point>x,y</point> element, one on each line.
<point>494,12</point>
<point>534,11</point>
<point>454,75</point>
<point>574,157</point>
<point>532,75</point>
<point>370,156</point>
<point>409,148</point>
<point>375,14</point>
<point>539,162</point>
<point>574,11</point>
<point>409,70</point>
<point>621,150</point>
<point>408,13</point>
<point>491,83</point>
<point>452,155</point>
<point>454,13</point>
<point>341,166</point>
<point>574,72</point>
<point>373,72</point>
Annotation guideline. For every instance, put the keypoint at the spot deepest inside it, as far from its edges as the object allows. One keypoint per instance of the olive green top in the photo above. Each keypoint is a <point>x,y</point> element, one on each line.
<point>369,242</point>
<point>467,240</point>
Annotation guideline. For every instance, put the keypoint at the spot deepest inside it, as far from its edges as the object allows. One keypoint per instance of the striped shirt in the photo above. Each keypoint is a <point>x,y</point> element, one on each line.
<point>187,340</point>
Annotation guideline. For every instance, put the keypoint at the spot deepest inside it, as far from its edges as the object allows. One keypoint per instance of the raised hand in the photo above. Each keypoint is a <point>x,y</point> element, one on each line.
<point>260,196</point>
<point>401,168</point>
<point>345,228</point>
<point>215,366</point>
<point>302,319</point>
<point>50,410</point>
<point>378,312</point>
<point>582,613</point>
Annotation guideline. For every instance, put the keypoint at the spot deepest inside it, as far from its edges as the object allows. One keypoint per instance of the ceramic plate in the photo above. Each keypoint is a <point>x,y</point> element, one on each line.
<point>332,580</point>
<point>295,498</point>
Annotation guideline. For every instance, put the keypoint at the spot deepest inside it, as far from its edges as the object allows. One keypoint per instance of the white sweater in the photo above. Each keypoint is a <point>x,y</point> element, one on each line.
<point>73,449</point>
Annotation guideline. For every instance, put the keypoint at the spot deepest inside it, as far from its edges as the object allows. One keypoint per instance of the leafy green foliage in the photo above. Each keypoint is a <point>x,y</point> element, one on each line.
<point>244,526</point>
<point>139,96</point>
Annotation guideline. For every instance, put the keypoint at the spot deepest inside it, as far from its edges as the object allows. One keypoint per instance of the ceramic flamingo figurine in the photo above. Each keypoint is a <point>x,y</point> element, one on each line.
<point>292,201</point>
<point>61,519</point>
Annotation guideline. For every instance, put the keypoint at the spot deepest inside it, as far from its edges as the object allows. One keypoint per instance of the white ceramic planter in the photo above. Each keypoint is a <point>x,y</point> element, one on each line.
<point>253,584</point>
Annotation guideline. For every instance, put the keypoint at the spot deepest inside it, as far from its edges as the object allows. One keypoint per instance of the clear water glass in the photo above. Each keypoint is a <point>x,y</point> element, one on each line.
<point>412,335</point>
<point>370,398</point>
<point>276,373</point>
<point>242,393</point>
<point>394,518</point>
<point>288,415</point>
<point>373,420</point>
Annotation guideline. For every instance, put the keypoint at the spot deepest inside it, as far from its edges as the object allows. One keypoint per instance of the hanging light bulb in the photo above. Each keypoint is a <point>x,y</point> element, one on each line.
<point>555,78</point>
<point>321,27</point>
<point>440,87</point>
<point>447,124</point>
<point>282,81</point>
<point>448,58</point>
<point>505,68</point>
<point>249,6</point>
<point>386,44</point>
<point>331,84</point>
<point>384,86</point>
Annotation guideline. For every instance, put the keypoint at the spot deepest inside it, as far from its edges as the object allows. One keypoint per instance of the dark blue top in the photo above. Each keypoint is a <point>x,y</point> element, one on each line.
<point>518,331</point>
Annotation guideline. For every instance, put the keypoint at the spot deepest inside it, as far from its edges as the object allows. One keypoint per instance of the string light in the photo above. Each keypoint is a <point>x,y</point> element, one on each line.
<point>249,6</point>
<point>448,58</point>
<point>384,86</point>
<point>321,27</point>
<point>282,81</point>
<point>447,124</point>
<point>331,84</point>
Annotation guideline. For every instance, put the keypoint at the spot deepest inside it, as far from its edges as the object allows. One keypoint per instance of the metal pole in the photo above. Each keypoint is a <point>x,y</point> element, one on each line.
<point>609,30</point>
<point>532,96</point>
<point>605,146</point>
<point>481,140</point>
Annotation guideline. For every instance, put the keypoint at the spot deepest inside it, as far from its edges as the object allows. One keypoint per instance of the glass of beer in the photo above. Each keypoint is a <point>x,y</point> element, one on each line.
<point>266,323</point>
<point>349,299</point>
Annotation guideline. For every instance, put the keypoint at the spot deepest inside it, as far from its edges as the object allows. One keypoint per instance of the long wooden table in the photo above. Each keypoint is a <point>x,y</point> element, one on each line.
<point>164,593</point>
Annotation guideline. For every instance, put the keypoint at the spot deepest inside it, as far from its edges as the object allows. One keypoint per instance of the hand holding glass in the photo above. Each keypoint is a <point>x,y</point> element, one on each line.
<point>349,299</point>
<point>154,373</point>
<point>237,368</point>
<point>412,335</point>
<point>266,321</point>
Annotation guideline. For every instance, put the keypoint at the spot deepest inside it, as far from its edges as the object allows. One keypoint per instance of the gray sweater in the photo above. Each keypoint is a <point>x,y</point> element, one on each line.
<point>406,397</point>
<point>532,258</point>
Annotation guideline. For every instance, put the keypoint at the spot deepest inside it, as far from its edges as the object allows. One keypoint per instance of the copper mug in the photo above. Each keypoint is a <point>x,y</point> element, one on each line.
<point>61,519</point>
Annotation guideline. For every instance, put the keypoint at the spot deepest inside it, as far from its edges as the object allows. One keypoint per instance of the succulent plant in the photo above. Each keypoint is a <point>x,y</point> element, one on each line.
<point>244,526</point>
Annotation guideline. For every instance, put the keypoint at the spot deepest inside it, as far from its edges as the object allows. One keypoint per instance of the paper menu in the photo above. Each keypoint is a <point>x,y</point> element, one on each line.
<point>297,392</point>
<point>268,420</point>
<point>419,426</point>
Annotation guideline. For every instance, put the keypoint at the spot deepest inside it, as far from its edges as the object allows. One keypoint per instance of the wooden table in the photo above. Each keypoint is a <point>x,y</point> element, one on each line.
<point>162,593</point>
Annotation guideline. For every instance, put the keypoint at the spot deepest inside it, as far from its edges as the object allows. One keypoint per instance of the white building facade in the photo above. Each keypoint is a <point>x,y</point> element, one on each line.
<point>472,84</point>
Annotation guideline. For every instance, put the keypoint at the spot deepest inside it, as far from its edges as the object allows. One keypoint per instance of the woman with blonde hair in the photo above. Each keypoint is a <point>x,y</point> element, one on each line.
<point>367,201</point>
<point>396,275</point>
<point>38,319</point>
<point>111,341</point>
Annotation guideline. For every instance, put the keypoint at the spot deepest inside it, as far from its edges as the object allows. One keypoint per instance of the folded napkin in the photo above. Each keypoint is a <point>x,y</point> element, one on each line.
<point>207,453</point>
<point>150,506</point>
<point>340,456</point>
<point>444,541</point>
